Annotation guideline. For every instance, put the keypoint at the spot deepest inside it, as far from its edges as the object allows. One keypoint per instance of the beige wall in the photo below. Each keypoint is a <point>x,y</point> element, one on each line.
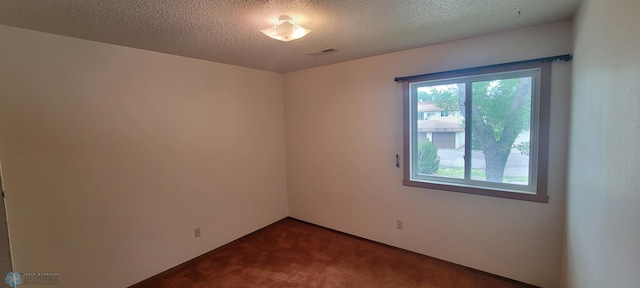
<point>342,133</point>
<point>603,222</point>
<point>112,156</point>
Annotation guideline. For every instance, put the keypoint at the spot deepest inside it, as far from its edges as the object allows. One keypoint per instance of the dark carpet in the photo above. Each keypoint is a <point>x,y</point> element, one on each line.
<point>292,253</point>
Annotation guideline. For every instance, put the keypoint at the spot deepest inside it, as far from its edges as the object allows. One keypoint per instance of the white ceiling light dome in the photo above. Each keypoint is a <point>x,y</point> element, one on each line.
<point>285,31</point>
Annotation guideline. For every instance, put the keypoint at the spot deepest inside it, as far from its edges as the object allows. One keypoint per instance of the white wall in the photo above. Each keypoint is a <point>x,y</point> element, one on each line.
<point>603,214</point>
<point>342,132</point>
<point>112,156</point>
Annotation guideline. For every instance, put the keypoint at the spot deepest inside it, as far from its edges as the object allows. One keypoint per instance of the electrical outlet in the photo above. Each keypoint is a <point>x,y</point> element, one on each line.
<point>399,224</point>
<point>197,232</point>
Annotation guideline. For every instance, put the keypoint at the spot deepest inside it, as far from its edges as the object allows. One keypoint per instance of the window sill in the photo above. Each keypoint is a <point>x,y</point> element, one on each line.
<point>540,198</point>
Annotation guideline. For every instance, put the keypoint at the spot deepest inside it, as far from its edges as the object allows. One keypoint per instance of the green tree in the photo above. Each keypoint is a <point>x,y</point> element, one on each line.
<point>523,148</point>
<point>423,96</point>
<point>501,110</point>
<point>428,159</point>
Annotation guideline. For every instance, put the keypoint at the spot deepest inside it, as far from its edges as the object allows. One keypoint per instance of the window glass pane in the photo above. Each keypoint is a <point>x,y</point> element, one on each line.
<point>500,129</point>
<point>440,131</point>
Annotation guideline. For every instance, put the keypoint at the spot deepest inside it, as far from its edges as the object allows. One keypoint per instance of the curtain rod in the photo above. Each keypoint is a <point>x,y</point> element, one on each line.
<point>566,57</point>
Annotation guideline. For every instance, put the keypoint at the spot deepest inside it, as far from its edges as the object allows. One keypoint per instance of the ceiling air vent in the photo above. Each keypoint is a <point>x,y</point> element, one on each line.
<point>324,51</point>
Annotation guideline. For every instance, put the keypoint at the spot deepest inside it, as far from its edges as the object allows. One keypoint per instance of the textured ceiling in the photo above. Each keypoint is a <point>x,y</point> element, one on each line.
<point>226,31</point>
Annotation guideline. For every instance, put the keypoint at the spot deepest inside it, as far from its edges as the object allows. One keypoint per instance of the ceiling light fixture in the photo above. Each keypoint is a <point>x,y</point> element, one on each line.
<point>285,31</point>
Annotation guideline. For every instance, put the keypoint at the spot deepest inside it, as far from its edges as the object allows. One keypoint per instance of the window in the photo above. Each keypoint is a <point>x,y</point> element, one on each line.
<point>492,136</point>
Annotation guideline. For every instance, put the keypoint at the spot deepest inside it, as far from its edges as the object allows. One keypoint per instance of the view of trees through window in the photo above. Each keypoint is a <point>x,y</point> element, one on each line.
<point>500,129</point>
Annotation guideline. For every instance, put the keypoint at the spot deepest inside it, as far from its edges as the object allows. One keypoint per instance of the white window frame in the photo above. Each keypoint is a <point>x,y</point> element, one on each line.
<point>536,190</point>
